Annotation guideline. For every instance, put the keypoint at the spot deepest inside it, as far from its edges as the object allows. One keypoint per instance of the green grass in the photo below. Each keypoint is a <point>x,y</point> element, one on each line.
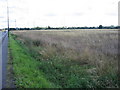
<point>26,71</point>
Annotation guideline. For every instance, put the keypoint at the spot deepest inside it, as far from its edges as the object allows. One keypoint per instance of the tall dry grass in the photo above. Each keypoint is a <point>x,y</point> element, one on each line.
<point>98,48</point>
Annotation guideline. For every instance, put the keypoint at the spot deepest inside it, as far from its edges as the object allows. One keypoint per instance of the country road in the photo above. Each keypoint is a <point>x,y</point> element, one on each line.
<point>4,57</point>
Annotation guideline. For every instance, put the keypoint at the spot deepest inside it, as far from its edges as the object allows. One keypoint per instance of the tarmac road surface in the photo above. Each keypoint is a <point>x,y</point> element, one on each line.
<point>3,57</point>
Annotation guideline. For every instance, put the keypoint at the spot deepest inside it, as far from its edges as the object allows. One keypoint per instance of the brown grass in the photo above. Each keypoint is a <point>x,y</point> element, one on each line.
<point>94,47</point>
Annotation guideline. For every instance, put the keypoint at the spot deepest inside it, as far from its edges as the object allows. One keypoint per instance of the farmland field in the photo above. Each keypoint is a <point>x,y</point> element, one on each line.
<point>69,58</point>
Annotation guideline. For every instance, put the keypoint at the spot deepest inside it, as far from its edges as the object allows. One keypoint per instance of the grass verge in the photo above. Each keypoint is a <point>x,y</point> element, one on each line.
<point>10,74</point>
<point>27,74</point>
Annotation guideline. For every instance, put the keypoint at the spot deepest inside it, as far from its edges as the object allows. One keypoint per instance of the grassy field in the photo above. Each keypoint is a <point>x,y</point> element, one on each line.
<point>66,58</point>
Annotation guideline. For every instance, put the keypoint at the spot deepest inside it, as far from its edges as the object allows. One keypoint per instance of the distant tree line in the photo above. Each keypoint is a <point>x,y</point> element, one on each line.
<point>48,28</point>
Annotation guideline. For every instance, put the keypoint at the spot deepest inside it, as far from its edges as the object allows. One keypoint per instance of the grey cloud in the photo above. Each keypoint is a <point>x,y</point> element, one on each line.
<point>1,16</point>
<point>50,14</point>
<point>4,21</point>
<point>78,14</point>
<point>111,14</point>
<point>6,0</point>
<point>2,0</point>
<point>12,7</point>
<point>22,10</point>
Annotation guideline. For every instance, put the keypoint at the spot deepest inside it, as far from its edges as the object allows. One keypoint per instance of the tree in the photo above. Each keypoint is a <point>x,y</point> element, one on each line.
<point>100,27</point>
<point>49,27</point>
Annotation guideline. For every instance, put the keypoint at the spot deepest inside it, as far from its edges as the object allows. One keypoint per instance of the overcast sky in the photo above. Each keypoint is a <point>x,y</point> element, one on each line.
<point>58,13</point>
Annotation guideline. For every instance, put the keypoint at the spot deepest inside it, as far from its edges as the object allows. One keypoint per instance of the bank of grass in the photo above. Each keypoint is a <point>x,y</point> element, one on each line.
<point>64,72</point>
<point>26,71</point>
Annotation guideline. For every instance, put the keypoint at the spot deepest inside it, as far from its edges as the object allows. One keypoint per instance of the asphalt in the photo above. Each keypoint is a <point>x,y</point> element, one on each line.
<point>0,60</point>
<point>4,52</point>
